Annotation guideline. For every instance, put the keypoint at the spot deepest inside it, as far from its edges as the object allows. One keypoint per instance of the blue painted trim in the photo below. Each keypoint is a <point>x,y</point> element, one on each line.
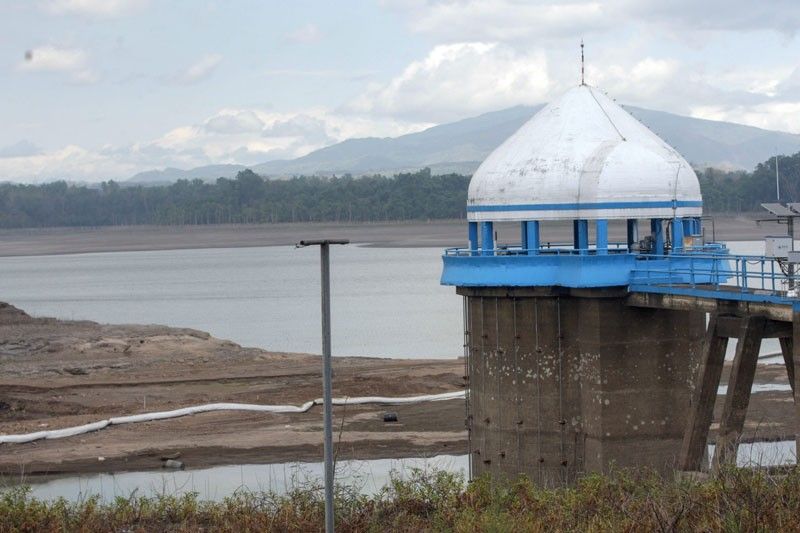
<point>473,237</point>
<point>530,236</point>
<point>633,232</point>
<point>578,206</point>
<point>487,238</point>
<point>523,231</point>
<point>688,226</point>
<point>601,228</point>
<point>581,235</point>
<point>713,294</point>
<point>697,226</point>
<point>541,270</point>
<point>657,230</point>
<point>573,270</point>
<point>677,234</point>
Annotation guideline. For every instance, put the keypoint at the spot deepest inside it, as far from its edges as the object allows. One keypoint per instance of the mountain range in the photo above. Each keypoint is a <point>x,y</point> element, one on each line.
<point>461,146</point>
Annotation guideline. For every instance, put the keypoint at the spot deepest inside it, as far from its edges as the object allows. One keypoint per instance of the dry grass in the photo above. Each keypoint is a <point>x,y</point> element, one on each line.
<point>734,500</point>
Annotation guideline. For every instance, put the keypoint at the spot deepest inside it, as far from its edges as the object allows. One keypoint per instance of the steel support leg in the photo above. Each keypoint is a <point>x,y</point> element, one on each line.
<point>739,384</point>
<point>693,448</point>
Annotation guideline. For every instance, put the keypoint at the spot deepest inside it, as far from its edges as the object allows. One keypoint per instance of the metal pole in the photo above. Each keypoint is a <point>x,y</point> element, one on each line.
<point>327,404</point>
<point>790,266</point>
<point>327,407</point>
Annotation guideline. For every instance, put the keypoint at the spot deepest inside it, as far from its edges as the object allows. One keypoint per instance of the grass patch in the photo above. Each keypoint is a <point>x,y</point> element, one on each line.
<point>434,500</point>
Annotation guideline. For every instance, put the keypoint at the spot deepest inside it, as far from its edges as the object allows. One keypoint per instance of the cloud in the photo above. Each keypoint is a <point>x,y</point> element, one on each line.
<point>458,80</point>
<point>71,61</point>
<point>70,162</point>
<point>232,122</point>
<point>684,16</point>
<point>306,34</point>
<point>200,70</point>
<point>245,136</point>
<point>20,149</point>
<point>94,8</point>
<point>789,86</point>
<point>773,115</point>
<point>503,20</point>
<point>312,130</point>
<point>532,20</point>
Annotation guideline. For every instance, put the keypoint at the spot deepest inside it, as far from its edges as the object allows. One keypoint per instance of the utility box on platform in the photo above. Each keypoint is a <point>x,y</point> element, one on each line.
<point>777,246</point>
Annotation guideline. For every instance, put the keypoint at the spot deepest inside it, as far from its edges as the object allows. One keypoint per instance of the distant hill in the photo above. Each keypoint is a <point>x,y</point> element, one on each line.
<point>170,175</point>
<point>461,146</point>
<point>711,143</point>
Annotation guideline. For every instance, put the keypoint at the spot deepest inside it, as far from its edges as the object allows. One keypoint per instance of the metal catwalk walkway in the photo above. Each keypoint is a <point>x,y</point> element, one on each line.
<point>717,276</point>
<point>748,298</point>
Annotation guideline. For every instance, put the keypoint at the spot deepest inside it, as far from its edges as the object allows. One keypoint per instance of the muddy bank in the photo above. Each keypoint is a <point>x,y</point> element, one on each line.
<point>65,373</point>
<point>438,234</point>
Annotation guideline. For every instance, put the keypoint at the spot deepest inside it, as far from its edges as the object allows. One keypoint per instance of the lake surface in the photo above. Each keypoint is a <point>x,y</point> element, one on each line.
<point>220,481</point>
<point>386,302</point>
<point>366,476</point>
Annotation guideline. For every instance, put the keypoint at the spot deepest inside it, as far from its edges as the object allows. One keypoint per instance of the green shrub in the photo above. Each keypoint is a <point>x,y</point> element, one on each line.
<point>435,500</point>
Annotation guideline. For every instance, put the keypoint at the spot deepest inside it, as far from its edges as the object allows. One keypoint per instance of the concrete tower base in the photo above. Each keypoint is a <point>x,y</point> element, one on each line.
<point>567,381</point>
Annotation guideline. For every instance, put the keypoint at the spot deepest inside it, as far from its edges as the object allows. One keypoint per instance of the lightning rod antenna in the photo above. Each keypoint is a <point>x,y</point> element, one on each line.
<point>582,82</point>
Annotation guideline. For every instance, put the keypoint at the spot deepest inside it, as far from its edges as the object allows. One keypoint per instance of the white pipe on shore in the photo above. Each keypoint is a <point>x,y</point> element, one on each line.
<point>205,408</point>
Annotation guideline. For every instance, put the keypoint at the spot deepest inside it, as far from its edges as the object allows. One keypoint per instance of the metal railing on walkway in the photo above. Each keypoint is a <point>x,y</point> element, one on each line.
<point>727,277</point>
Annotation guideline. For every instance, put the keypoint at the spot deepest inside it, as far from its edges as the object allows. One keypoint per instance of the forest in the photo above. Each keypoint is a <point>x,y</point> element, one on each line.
<point>251,199</point>
<point>246,199</point>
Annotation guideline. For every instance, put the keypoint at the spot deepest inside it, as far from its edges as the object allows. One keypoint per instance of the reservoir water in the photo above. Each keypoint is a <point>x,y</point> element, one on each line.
<point>368,477</point>
<point>387,302</point>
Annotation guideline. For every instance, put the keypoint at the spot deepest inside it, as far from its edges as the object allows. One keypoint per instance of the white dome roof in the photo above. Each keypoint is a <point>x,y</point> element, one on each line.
<point>583,156</point>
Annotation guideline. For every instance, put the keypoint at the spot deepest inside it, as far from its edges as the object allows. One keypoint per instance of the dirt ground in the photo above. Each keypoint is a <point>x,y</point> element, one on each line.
<point>436,233</point>
<point>57,374</point>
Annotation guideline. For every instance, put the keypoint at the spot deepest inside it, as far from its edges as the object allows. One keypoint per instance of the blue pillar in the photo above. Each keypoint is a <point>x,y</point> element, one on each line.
<point>601,227</point>
<point>657,230</point>
<point>523,231</point>
<point>633,232</point>
<point>677,234</point>
<point>530,236</point>
<point>473,238</point>
<point>580,231</point>
<point>688,226</point>
<point>487,238</point>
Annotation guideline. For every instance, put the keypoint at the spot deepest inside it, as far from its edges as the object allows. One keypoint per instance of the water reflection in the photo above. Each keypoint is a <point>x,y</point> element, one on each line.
<point>368,477</point>
<point>220,481</point>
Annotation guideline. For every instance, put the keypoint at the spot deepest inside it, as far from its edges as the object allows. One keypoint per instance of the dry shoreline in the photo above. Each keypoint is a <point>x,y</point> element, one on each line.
<point>435,234</point>
<point>59,374</point>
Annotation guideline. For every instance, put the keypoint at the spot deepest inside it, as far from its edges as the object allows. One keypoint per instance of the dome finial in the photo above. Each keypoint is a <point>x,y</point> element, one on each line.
<point>582,82</point>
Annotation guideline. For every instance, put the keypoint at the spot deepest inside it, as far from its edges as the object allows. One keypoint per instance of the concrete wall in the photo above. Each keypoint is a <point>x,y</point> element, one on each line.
<point>570,381</point>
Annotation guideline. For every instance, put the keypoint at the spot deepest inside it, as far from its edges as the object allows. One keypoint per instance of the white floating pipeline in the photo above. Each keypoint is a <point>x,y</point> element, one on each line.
<point>209,407</point>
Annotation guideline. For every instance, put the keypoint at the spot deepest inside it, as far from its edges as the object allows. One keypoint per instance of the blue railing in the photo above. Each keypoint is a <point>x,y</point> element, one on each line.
<point>746,272</point>
<point>569,249</point>
<point>728,277</point>
<point>706,270</point>
<point>545,249</point>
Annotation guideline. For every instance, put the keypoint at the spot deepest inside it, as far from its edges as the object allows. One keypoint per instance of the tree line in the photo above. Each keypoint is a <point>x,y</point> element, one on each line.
<point>248,198</point>
<point>740,191</point>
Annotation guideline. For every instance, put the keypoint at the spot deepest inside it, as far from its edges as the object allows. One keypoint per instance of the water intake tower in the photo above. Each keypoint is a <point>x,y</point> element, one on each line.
<point>564,375</point>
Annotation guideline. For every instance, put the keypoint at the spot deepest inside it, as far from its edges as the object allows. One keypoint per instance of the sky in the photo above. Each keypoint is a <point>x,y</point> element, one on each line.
<point>101,89</point>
